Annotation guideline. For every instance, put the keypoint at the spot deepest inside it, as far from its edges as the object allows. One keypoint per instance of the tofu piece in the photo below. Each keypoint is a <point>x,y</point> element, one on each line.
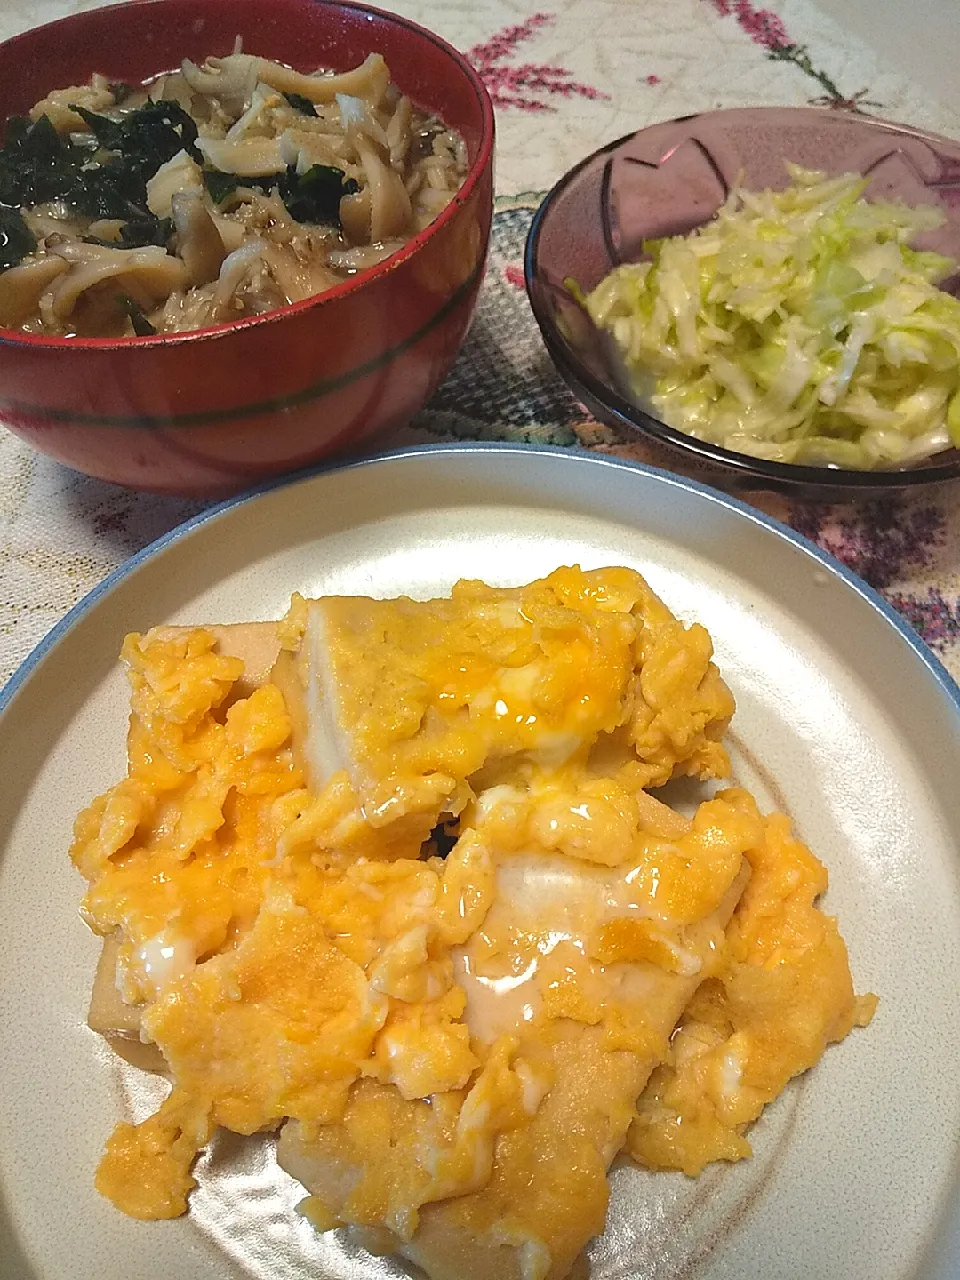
<point>112,1018</point>
<point>547,1193</point>
<point>413,699</point>
<point>257,645</point>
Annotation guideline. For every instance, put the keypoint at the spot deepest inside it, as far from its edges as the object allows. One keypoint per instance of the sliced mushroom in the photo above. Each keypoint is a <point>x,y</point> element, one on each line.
<point>297,276</point>
<point>182,173</point>
<point>248,158</point>
<point>199,245</point>
<point>356,117</point>
<point>428,205</point>
<point>390,211</point>
<point>363,256</point>
<point>355,216</point>
<point>231,80</point>
<point>325,121</point>
<point>368,81</point>
<point>95,96</point>
<point>51,219</point>
<point>398,132</point>
<point>106,229</point>
<point>149,275</point>
<point>266,216</point>
<point>304,148</point>
<point>21,287</point>
<point>263,97</point>
<point>172,87</point>
<point>235,270</point>
<point>232,232</point>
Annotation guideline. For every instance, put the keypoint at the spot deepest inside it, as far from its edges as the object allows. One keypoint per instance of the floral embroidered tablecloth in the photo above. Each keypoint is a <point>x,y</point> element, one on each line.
<point>564,80</point>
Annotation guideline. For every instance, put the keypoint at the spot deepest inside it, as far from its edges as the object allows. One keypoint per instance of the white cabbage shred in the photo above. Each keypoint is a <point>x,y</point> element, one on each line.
<point>799,326</point>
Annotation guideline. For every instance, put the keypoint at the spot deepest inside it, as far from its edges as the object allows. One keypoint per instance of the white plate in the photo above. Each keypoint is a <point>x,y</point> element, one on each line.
<point>844,719</point>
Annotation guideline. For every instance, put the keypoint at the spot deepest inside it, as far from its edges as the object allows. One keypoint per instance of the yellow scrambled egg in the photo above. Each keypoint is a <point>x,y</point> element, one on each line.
<point>470,1037</point>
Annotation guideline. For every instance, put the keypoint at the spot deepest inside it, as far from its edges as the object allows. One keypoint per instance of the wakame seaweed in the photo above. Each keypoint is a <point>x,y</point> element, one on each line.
<point>220,185</point>
<point>301,104</point>
<point>313,196</point>
<point>38,164</point>
<point>138,232</point>
<point>141,325</point>
<point>147,137</point>
<point>112,189</point>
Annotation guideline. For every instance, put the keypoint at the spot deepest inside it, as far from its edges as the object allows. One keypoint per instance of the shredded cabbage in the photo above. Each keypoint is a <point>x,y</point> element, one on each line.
<point>798,325</point>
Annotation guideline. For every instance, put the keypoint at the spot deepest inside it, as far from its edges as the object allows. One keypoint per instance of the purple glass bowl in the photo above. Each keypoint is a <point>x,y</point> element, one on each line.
<point>669,179</point>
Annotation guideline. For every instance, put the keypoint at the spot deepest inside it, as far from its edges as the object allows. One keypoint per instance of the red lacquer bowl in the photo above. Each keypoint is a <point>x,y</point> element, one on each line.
<point>208,412</point>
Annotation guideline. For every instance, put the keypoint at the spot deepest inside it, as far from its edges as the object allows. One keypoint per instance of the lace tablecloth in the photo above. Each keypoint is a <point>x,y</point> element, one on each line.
<point>564,80</point>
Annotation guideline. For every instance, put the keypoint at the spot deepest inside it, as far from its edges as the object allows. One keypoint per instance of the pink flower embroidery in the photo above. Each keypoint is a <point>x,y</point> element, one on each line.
<point>761,25</point>
<point>514,276</point>
<point>653,79</point>
<point>765,28</point>
<point>511,86</point>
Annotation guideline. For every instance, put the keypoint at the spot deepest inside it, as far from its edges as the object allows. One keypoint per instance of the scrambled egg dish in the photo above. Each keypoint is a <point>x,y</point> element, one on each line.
<point>391,877</point>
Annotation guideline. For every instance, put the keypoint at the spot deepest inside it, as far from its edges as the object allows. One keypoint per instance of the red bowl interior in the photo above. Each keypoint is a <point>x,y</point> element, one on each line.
<point>210,410</point>
<point>138,39</point>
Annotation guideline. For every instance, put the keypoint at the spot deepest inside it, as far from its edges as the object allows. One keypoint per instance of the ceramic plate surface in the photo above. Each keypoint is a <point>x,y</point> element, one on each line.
<point>844,720</point>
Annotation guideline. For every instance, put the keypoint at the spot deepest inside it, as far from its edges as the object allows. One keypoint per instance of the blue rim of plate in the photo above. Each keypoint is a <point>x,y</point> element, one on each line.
<point>935,668</point>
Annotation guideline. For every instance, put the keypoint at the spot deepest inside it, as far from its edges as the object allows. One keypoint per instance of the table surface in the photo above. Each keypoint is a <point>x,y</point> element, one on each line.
<point>565,80</point>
